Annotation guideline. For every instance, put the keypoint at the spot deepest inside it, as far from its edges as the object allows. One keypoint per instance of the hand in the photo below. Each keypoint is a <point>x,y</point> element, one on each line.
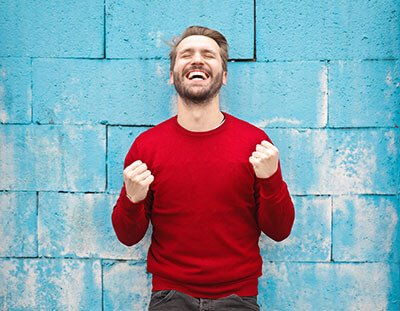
<point>265,159</point>
<point>137,179</point>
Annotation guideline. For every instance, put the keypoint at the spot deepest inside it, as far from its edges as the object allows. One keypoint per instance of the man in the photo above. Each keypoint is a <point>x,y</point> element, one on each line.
<point>209,183</point>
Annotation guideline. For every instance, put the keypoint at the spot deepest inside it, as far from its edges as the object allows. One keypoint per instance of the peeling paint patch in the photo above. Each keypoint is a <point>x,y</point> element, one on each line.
<point>322,103</point>
<point>324,286</point>
<point>135,282</point>
<point>364,228</point>
<point>310,239</point>
<point>65,216</point>
<point>51,284</point>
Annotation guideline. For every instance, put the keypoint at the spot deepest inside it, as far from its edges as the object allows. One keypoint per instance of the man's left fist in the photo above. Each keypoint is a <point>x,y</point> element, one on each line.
<point>265,159</point>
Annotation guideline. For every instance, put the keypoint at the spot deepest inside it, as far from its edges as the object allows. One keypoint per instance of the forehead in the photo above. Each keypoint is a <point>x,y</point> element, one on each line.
<point>198,42</point>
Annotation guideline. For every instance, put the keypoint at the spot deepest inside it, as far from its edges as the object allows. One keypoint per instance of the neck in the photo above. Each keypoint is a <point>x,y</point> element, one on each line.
<point>199,117</point>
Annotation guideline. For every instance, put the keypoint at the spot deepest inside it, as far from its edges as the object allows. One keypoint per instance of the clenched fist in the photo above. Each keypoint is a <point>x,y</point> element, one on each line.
<point>137,179</point>
<point>265,159</point>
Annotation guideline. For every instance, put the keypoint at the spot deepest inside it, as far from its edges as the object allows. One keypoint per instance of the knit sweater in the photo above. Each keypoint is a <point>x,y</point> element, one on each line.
<point>206,206</point>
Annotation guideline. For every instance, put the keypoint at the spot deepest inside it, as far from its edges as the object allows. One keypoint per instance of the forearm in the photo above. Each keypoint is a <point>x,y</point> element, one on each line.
<point>129,220</point>
<point>275,212</point>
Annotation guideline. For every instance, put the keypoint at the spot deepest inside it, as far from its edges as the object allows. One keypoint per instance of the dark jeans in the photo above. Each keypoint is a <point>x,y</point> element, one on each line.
<point>172,300</point>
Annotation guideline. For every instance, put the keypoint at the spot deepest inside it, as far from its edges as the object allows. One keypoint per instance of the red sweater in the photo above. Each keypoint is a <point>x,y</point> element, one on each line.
<point>207,208</point>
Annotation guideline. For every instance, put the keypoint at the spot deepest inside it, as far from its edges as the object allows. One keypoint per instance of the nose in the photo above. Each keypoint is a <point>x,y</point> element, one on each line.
<point>197,58</point>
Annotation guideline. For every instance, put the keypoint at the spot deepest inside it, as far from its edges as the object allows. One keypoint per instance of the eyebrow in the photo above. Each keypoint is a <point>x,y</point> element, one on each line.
<point>202,50</point>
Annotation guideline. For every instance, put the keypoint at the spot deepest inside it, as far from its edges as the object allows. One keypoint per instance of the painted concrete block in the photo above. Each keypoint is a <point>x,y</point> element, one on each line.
<point>364,93</point>
<point>289,94</point>
<point>15,90</point>
<point>50,29</point>
<point>329,286</point>
<point>18,224</point>
<point>366,228</point>
<point>340,161</point>
<point>140,29</point>
<point>126,286</point>
<point>52,157</point>
<point>120,140</point>
<point>82,91</point>
<point>79,225</point>
<point>310,239</point>
<point>50,284</point>
<point>309,30</point>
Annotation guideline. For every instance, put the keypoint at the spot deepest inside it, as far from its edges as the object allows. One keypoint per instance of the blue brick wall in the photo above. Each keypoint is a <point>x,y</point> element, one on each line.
<point>79,80</point>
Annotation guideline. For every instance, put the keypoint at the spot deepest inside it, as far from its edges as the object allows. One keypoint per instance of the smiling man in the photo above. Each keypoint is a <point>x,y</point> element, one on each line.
<point>210,183</point>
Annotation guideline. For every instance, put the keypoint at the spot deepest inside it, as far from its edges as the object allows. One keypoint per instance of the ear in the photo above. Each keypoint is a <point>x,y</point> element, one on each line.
<point>224,77</point>
<point>171,77</point>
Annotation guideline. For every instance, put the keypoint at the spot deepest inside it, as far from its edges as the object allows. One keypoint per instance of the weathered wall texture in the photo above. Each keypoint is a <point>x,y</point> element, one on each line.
<point>79,80</point>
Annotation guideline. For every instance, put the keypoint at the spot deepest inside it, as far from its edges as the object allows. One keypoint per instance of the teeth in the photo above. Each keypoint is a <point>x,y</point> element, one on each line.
<point>199,75</point>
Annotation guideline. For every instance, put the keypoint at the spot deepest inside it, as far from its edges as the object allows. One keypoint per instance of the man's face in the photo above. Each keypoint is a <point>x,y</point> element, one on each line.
<point>198,74</point>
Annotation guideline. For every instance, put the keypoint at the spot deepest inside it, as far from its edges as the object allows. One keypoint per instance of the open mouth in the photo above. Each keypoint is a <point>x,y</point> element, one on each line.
<point>197,75</point>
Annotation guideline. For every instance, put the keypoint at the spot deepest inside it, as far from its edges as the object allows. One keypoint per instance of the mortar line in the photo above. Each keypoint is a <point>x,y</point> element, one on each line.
<point>327,92</point>
<point>102,285</point>
<point>267,127</point>
<point>331,259</point>
<point>37,223</point>
<point>106,158</point>
<point>31,86</point>
<point>104,30</point>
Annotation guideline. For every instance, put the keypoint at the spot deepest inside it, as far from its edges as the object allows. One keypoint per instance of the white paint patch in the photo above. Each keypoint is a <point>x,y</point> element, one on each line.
<point>8,158</point>
<point>3,72</point>
<point>31,285</point>
<point>391,147</point>
<point>266,122</point>
<point>71,283</point>
<point>369,284</point>
<point>389,79</point>
<point>3,113</point>
<point>322,102</point>
<point>2,93</point>
<point>8,203</point>
<point>322,159</point>
<point>374,227</point>
<point>157,36</point>
<point>341,65</point>
<point>57,108</point>
<point>29,95</point>
<point>354,166</point>
<point>160,71</point>
<point>133,279</point>
<point>3,116</point>
<point>277,271</point>
<point>48,156</point>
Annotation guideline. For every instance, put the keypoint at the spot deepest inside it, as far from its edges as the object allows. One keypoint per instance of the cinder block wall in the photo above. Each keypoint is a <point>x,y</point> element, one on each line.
<point>79,80</point>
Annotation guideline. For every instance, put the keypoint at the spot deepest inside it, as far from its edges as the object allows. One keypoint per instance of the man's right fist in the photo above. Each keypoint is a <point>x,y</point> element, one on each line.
<point>137,179</point>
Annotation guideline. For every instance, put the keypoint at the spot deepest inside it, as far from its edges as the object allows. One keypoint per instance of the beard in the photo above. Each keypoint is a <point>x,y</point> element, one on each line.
<point>197,94</point>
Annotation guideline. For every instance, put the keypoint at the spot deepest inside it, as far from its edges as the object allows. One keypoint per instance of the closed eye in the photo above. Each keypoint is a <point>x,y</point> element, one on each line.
<point>185,55</point>
<point>208,55</point>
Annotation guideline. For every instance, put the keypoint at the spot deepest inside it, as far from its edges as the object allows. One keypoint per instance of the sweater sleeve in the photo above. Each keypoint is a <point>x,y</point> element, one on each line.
<point>131,220</point>
<point>275,209</point>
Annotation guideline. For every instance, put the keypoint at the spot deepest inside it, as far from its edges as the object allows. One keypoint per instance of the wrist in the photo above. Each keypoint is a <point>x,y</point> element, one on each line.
<point>130,198</point>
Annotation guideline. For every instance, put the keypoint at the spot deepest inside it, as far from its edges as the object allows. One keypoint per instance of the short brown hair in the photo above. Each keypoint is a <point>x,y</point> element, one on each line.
<point>201,31</point>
